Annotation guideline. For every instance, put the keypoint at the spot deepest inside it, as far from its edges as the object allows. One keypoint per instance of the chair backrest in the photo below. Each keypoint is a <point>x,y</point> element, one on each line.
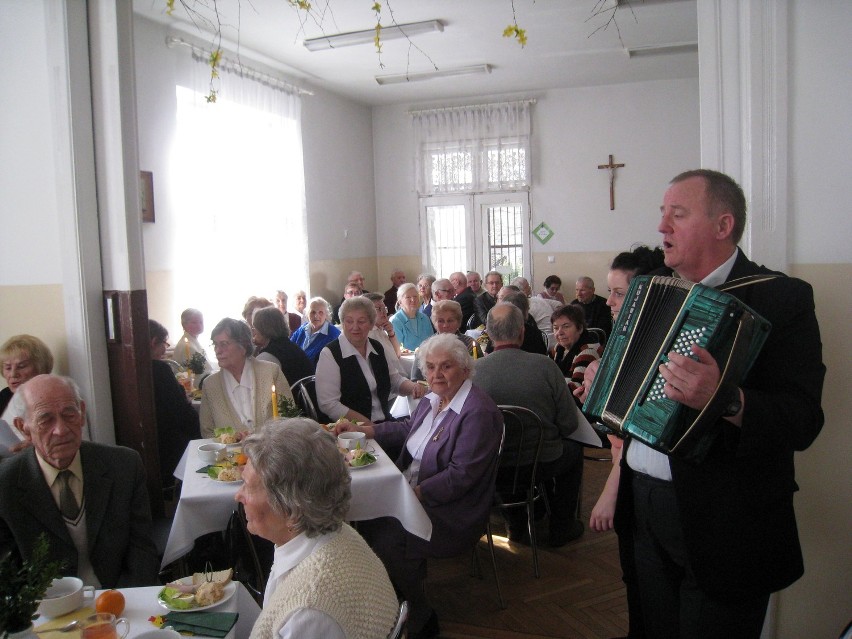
<point>400,621</point>
<point>303,390</point>
<point>599,333</point>
<point>521,447</point>
<point>176,368</point>
<point>245,556</point>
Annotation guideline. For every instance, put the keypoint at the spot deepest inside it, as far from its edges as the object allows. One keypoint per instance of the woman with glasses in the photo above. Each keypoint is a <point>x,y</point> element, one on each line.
<point>239,395</point>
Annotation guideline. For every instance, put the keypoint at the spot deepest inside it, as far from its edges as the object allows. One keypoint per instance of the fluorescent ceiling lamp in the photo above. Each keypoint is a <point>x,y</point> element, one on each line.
<point>660,49</point>
<point>368,36</point>
<point>398,78</point>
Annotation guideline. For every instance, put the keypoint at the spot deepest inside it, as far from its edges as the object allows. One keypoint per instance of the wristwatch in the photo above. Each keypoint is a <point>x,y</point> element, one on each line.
<point>732,403</point>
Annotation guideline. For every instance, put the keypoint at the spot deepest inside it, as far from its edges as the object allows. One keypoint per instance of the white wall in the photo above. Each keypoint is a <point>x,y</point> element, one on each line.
<point>652,127</point>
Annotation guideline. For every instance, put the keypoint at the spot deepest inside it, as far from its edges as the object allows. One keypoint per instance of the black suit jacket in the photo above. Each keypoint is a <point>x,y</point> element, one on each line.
<point>465,300</point>
<point>736,506</point>
<point>177,420</point>
<point>118,516</point>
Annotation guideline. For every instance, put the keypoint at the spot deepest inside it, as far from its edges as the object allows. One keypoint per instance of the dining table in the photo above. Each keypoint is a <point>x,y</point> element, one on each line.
<point>205,505</point>
<point>140,604</point>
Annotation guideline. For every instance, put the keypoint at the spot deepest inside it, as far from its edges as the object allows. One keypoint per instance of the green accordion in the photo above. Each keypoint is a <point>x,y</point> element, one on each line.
<point>661,315</point>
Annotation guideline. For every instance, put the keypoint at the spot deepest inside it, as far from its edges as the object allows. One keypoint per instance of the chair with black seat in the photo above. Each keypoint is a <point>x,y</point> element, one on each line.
<point>396,633</point>
<point>517,485</point>
<point>251,556</point>
<point>304,393</point>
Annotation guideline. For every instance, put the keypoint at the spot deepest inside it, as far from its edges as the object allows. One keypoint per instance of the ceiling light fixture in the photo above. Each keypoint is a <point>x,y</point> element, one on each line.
<point>660,49</point>
<point>368,36</point>
<point>399,78</point>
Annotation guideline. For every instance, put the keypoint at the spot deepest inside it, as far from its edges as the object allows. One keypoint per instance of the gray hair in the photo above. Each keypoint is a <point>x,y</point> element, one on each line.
<point>237,331</point>
<point>490,273</point>
<point>586,280</point>
<point>447,306</point>
<point>428,277</point>
<point>70,383</point>
<point>270,323</point>
<point>520,300</point>
<point>506,328</point>
<point>448,344</point>
<point>523,284</point>
<point>303,473</point>
<point>443,282</point>
<point>357,303</point>
<point>188,314</point>
<point>317,301</point>
<point>402,290</point>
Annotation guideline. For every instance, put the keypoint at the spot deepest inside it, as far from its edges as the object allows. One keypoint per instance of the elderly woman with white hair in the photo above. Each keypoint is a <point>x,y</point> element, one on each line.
<point>449,457</point>
<point>356,374</point>
<point>318,332</point>
<point>325,581</point>
<point>239,395</point>
<point>410,323</point>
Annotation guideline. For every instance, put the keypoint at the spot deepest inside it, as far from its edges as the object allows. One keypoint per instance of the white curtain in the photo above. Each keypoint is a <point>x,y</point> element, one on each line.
<point>473,149</point>
<point>238,186</point>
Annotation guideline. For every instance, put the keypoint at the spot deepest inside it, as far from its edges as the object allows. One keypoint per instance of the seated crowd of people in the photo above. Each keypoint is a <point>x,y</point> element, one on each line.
<point>455,326</point>
<point>701,545</point>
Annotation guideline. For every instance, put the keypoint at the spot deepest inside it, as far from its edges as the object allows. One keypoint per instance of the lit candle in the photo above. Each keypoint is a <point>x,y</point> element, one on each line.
<point>274,402</point>
<point>186,348</point>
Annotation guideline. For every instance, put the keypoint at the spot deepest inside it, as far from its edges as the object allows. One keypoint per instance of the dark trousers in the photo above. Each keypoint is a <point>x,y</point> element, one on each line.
<point>673,604</point>
<point>387,538</point>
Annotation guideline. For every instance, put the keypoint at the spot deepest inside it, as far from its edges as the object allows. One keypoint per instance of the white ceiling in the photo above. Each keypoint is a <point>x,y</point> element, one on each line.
<point>562,50</point>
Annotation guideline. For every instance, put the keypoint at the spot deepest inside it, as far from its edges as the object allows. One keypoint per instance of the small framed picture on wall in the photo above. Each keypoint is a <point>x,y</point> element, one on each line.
<point>146,195</point>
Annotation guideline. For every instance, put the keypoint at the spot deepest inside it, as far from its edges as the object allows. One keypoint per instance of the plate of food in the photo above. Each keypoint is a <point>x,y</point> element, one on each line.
<point>228,435</point>
<point>359,458</point>
<point>196,592</point>
<point>225,474</point>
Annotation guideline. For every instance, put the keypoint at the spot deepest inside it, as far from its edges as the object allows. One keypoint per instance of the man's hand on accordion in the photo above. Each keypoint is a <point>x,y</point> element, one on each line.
<point>688,381</point>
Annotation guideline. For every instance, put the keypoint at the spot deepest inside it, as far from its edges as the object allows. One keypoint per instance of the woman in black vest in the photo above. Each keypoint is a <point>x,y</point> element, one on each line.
<point>354,374</point>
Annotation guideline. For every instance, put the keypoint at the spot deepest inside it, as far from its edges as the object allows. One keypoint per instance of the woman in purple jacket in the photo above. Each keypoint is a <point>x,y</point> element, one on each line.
<point>449,456</point>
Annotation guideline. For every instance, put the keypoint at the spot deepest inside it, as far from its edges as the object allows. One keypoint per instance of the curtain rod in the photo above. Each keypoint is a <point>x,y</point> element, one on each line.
<point>231,64</point>
<point>471,106</point>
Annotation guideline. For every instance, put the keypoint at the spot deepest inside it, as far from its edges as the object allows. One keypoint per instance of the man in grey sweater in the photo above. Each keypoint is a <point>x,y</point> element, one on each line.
<point>512,376</point>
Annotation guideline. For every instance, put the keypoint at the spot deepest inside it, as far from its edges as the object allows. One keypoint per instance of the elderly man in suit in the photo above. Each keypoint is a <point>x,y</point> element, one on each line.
<point>88,499</point>
<point>597,312</point>
<point>542,389</point>
<point>712,540</point>
<point>463,295</point>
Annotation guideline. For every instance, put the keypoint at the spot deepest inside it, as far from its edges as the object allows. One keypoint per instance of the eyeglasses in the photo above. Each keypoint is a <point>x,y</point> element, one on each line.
<point>223,344</point>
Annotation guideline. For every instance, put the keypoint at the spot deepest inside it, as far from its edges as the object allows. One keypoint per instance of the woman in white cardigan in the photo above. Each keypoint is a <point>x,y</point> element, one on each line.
<point>239,395</point>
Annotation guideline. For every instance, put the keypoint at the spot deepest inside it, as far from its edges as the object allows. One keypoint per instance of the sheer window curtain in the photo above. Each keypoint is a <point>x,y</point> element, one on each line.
<point>473,149</point>
<point>238,192</point>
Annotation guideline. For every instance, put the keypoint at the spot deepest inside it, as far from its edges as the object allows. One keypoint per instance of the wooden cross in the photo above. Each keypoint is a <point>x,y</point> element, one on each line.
<point>611,167</point>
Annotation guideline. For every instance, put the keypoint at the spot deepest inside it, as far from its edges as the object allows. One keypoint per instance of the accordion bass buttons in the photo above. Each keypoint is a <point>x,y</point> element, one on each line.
<point>682,346</point>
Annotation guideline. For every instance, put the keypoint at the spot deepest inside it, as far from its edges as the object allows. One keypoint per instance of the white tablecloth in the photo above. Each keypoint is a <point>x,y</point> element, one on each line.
<point>206,505</point>
<point>141,603</point>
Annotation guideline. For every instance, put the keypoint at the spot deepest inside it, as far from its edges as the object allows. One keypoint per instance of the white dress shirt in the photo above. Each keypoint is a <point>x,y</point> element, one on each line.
<point>242,394</point>
<point>643,458</point>
<point>328,380</point>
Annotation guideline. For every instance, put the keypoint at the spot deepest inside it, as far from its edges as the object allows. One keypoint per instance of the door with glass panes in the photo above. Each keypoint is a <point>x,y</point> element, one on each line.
<point>476,233</point>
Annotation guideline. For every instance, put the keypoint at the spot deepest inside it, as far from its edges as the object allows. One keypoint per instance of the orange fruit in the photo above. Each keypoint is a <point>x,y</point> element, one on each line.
<point>110,601</point>
<point>240,459</point>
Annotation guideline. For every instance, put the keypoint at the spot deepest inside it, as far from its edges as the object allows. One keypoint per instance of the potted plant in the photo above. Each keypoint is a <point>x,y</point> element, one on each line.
<point>22,585</point>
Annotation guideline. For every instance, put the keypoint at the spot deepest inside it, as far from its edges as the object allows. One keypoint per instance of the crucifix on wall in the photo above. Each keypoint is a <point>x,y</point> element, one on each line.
<point>611,167</point>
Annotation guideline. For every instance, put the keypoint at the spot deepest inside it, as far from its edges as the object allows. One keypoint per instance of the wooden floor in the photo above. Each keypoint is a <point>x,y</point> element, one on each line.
<point>579,595</point>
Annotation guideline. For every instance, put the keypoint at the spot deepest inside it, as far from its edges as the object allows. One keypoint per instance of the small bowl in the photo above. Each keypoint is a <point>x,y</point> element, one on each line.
<point>212,452</point>
<point>350,440</point>
<point>65,594</point>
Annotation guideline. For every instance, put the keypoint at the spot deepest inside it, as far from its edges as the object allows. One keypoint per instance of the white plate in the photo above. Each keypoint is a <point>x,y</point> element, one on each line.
<point>230,589</point>
<point>220,481</point>
<point>351,467</point>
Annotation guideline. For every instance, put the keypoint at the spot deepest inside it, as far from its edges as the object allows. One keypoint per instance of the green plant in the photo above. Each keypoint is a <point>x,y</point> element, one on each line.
<point>288,408</point>
<point>23,584</point>
<point>196,363</point>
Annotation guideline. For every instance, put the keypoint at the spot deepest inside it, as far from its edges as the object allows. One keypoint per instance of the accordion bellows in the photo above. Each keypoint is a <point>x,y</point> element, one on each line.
<point>661,315</point>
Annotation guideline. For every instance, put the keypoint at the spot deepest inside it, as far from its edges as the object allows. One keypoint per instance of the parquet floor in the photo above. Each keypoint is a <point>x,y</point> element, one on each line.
<point>580,594</point>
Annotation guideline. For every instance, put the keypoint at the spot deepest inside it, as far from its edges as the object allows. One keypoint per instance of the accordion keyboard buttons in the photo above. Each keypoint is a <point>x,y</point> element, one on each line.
<point>682,346</point>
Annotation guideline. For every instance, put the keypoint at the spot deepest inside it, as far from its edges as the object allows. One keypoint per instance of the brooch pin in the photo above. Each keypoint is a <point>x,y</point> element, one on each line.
<point>438,434</point>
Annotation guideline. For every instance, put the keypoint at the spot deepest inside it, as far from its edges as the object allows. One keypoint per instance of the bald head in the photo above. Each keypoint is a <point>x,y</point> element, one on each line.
<point>505,324</point>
